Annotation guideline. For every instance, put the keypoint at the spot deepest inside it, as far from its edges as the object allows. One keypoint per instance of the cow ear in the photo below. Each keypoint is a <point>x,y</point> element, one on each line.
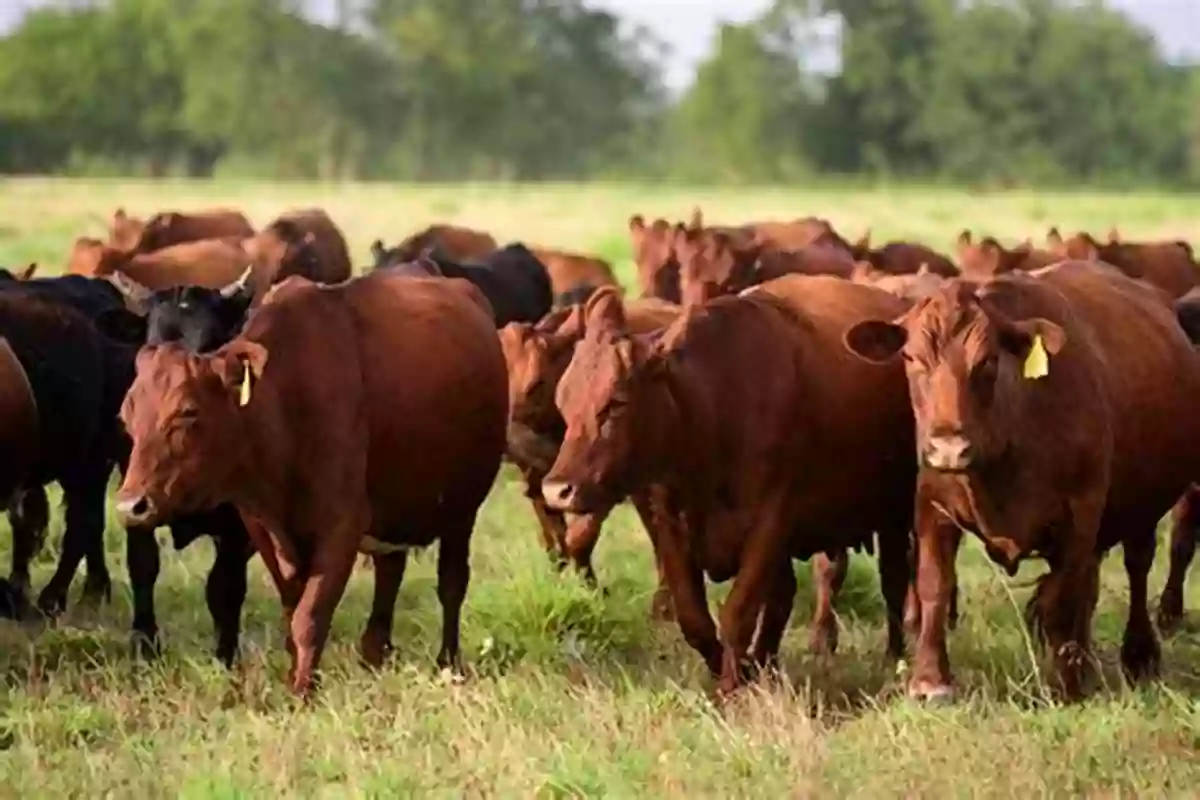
<point>637,223</point>
<point>1021,338</point>
<point>122,326</point>
<point>964,238</point>
<point>992,255</point>
<point>239,365</point>
<point>696,223</point>
<point>28,272</point>
<point>1054,239</point>
<point>378,251</point>
<point>875,340</point>
<point>864,241</point>
<point>119,215</point>
<point>1114,236</point>
<point>605,311</point>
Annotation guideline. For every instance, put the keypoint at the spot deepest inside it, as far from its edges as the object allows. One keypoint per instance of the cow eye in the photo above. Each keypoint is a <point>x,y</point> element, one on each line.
<point>190,413</point>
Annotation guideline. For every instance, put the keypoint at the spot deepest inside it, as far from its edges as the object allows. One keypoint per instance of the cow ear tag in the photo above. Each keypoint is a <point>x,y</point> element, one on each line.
<point>1037,363</point>
<point>244,398</point>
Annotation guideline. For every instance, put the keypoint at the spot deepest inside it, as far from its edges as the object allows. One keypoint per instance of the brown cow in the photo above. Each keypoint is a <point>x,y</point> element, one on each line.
<point>175,227</point>
<point>711,264</point>
<point>654,255</point>
<point>1054,418</point>
<point>537,355</point>
<point>903,258</point>
<point>1168,265</point>
<point>907,287</point>
<point>741,418</point>
<point>1185,528</point>
<point>367,416</point>
<point>450,241</point>
<point>569,272</point>
<point>211,263</point>
<point>989,258</point>
<point>769,234</point>
<point>304,242</point>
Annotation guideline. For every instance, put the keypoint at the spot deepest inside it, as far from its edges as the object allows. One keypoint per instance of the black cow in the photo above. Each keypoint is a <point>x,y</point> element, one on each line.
<point>78,379</point>
<point>202,319</point>
<point>512,278</point>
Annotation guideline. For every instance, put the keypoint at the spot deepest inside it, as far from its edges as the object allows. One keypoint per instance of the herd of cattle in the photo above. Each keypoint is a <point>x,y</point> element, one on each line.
<point>775,393</point>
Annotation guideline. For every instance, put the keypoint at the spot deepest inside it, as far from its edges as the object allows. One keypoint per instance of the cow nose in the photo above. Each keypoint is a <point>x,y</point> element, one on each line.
<point>951,453</point>
<point>558,494</point>
<point>135,510</point>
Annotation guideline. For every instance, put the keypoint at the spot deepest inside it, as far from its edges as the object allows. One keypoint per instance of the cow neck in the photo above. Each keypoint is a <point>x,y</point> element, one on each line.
<point>999,513</point>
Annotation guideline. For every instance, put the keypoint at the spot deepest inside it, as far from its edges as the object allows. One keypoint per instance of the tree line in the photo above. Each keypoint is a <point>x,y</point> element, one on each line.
<point>980,91</point>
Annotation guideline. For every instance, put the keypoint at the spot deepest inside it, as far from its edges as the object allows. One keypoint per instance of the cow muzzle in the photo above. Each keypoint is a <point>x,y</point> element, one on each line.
<point>949,453</point>
<point>136,511</point>
<point>560,495</point>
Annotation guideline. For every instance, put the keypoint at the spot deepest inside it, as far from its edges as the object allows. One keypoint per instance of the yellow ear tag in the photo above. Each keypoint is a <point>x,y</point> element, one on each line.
<point>1037,363</point>
<point>245,395</point>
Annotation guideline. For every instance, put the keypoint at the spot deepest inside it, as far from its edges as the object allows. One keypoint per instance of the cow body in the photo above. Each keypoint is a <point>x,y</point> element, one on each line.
<point>1085,449</point>
<point>571,272</point>
<point>1168,265</point>
<point>515,284</point>
<point>170,228</point>
<point>737,418</point>
<point>211,263</point>
<point>450,241</point>
<point>376,421</point>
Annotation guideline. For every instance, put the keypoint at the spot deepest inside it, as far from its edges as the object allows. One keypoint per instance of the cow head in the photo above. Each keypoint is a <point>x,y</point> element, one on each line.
<point>94,259</point>
<point>158,232</point>
<point>186,416</point>
<point>654,254</point>
<point>989,258</point>
<point>283,248</point>
<point>124,231</point>
<point>200,319</point>
<point>967,365</point>
<point>710,265</point>
<point>537,356</point>
<point>609,401</point>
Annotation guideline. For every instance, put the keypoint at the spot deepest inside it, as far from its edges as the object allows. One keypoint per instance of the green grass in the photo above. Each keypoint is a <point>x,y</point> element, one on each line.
<point>573,693</point>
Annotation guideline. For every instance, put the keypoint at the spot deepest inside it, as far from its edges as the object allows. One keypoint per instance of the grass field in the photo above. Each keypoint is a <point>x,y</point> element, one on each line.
<point>573,693</point>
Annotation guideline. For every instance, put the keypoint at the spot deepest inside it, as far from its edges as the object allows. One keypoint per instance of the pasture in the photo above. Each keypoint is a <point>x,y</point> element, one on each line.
<point>572,692</point>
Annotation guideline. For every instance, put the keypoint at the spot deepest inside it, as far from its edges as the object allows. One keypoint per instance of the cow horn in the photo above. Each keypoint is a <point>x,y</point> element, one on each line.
<point>239,284</point>
<point>136,295</point>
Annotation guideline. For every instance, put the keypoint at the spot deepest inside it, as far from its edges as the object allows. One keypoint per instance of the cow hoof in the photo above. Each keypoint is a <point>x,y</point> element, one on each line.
<point>374,649</point>
<point>1170,616</point>
<point>12,601</point>
<point>145,645</point>
<point>1140,659</point>
<point>96,593</point>
<point>823,642</point>
<point>929,692</point>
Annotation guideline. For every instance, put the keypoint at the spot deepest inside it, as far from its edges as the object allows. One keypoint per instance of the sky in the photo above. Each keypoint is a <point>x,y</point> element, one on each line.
<point>687,25</point>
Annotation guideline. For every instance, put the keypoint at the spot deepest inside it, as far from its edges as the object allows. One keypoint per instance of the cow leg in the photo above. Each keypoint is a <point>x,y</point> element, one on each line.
<point>895,578</point>
<point>1140,653</point>
<point>225,590</point>
<point>583,532</point>
<point>29,517</point>
<point>912,604</point>
<point>937,548</point>
<point>1185,519</point>
<point>776,613</point>
<point>141,553</point>
<point>84,537</point>
<point>756,574</point>
<point>829,573</point>
<point>454,574</point>
<point>324,580</point>
<point>661,606</point>
<point>686,582</point>
<point>553,527</point>
<point>376,641</point>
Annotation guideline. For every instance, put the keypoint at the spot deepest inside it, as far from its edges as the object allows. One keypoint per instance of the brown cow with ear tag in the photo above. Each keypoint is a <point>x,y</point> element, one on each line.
<point>363,417</point>
<point>1054,418</point>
